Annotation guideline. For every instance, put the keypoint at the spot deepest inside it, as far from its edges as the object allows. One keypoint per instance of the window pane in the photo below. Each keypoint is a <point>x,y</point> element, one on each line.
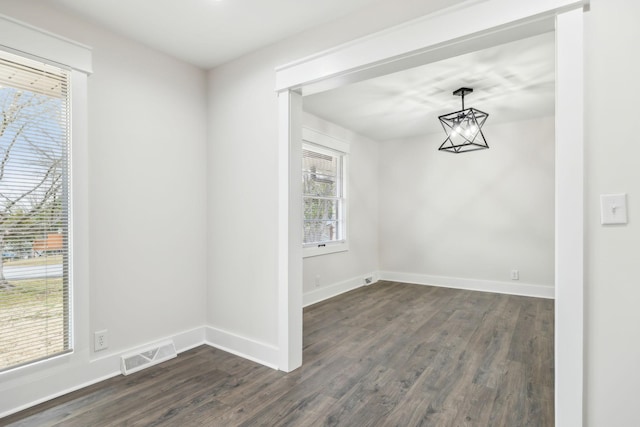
<point>34,263</point>
<point>320,163</point>
<point>320,173</point>
<point>319,185</point>
<point>321,209</point>
<point>320,231</point>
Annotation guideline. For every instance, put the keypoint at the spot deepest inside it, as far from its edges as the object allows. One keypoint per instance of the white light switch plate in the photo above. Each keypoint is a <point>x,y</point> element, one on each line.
<point>613,209</point>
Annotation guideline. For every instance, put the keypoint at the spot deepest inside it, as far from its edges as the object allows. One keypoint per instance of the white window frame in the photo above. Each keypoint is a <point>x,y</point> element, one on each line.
<point>62,75</point>
<point>26,40</point>
<point>318,141</point>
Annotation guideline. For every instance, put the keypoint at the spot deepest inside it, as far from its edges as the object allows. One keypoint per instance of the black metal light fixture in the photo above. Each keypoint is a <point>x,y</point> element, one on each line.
<point>463,128</point>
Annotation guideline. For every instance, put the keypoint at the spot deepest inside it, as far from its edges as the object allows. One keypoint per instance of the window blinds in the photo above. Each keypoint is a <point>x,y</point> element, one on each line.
<point>34,211</point>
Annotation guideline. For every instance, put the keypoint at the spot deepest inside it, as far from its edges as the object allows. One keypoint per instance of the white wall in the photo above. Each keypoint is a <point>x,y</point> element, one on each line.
<point>147,157</point>
<point>243,171</point>
<point>612,293</point>
<point>473,215</point>
<point>147,182</point>
<point>338,272</point>
<point>242,201</point>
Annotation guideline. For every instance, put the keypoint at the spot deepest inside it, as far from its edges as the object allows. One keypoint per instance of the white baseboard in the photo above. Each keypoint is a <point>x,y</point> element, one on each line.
<point>259,352</point>
<point>326,292</point>
<point>510,288</point>
<point>189,339</point>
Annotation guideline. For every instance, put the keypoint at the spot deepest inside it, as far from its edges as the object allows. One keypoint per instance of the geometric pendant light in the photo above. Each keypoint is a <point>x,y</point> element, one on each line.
<point>463,128</point>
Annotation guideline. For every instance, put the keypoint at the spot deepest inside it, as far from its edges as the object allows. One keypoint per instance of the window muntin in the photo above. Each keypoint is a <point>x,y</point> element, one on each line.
<point>324,202</point>
<point>34,211</point>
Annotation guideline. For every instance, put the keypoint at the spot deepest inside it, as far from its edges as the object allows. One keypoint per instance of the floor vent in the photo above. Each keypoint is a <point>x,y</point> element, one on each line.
<point>149,356</point>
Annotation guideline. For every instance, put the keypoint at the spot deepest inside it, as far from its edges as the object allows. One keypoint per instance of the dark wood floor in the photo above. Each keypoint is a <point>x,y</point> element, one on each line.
<point>385,355</point>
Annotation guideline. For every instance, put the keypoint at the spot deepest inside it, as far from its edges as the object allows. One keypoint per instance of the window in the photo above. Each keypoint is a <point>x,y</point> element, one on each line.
<point>324,162</point>
<point>34,211</point>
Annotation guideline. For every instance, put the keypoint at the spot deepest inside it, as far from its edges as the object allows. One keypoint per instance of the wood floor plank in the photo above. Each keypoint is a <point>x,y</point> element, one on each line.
<point>389,354</point>
<point>475,407</point>
<point>360,398</point>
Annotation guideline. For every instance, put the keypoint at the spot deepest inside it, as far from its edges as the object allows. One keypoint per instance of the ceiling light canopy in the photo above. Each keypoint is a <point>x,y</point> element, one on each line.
<point>463,128</point>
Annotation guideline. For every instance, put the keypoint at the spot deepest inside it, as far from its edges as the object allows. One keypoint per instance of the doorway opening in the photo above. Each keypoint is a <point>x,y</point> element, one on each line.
<point>422,42</point>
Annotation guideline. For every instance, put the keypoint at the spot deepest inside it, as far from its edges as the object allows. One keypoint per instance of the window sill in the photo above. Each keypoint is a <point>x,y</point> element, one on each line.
<point>330,248</point>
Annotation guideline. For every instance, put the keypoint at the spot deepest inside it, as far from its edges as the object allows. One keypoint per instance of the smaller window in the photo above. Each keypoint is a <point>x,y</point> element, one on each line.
<point>324,194</point>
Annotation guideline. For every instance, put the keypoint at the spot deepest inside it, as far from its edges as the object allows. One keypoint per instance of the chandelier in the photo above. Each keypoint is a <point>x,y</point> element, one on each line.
<point>463,128</point>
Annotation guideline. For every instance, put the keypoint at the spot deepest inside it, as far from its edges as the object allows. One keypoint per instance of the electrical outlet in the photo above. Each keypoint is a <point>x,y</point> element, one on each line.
<point>100,341</point>
<point>515,275</point>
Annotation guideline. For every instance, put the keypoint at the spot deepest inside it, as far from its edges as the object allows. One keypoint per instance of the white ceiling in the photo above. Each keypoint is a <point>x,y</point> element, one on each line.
<point>515,81</point>
<point>210,32</point>
<point>511,82</point>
